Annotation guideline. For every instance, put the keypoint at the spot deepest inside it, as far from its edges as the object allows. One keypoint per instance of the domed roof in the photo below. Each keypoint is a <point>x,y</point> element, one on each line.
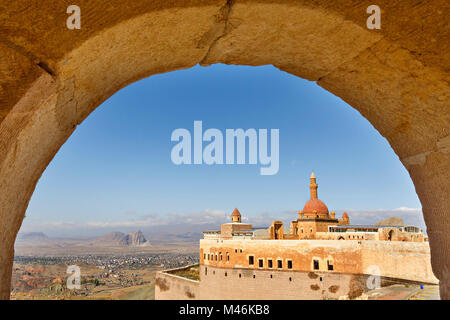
<point>345,215</point>
<point>315,204</point>
<point>236,213</point>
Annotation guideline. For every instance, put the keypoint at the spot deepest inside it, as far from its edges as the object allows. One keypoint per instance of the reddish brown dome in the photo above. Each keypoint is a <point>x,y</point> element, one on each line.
<point>315,204</point>
<point>345,215</point>
<point>236,213</point>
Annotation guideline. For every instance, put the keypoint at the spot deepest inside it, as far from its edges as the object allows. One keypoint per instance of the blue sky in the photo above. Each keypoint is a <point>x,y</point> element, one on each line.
<point>115,172</point>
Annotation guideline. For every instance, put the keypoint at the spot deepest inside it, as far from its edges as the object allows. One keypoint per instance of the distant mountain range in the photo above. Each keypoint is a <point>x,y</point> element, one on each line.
<point>161,235</point>
<point>32,236</point>
<point>112,239</point>
<point>38,244</point>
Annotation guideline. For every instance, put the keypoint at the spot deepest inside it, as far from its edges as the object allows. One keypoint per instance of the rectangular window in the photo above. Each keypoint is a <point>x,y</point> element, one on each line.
<point>269,263</point>
<point>251,260</point>
<point>330,266</point>
<point>261,263</point>
<point>280,264</point>
<point>316,264</point>
<point>228,256</point>
<point>220,256</point>
<point>289,264</point>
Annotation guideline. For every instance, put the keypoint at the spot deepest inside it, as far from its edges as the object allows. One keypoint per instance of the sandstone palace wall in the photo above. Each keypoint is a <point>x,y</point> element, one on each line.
<point>394,259</point>
<point>249,284</point>
<point>297,269</point>
<point>307,269</point>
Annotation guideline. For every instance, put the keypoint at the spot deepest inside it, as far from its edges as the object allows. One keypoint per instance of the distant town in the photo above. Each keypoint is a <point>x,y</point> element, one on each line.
<point>111,276</point>
<point>114,263</point>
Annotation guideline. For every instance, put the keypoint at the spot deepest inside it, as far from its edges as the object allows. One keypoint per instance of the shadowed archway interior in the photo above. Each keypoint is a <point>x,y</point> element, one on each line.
<point>53,78</point>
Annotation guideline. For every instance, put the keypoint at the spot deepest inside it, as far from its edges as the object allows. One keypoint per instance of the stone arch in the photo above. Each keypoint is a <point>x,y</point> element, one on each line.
<point>396,77</point>
<point>390,236</point>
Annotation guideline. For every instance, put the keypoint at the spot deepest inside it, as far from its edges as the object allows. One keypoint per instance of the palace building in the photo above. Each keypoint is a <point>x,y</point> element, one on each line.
<point>315,222</point>
<point>319,256</point>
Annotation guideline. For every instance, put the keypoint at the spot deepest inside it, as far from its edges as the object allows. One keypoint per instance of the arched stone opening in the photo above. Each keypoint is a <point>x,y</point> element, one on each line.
<point>390,235</point>
<point>397,81</point>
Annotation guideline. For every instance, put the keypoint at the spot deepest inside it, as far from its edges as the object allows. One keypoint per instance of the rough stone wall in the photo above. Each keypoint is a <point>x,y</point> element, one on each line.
<point>51,78</point>
<point>172,287</point>
<point>306,229</point>
<point>226,229</point>
<point>247,284</point>
<point>309,229</point>
<point>397,259</point>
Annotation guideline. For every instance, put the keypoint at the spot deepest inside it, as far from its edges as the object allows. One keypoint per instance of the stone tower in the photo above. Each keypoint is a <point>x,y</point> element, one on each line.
<point>236,216</point>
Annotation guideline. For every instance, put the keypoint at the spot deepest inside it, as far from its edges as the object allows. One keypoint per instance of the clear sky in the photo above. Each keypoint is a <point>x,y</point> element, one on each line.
<point>115,171</point>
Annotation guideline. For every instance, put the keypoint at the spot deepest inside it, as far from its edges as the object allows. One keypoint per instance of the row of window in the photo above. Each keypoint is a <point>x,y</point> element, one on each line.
<point>218,256</point>
<point>316,265</point>
<point>270,264</point>
<point>251,262</point>
<point>215,257</point>
<point>240,275</point>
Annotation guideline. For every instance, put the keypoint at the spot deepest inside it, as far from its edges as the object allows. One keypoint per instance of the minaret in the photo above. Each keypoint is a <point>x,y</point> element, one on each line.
<point>313,186</point>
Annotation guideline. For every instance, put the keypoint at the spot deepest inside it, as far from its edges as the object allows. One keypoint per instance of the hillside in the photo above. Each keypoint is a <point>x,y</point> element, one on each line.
<point>32,236</point>
<point>392,221</point>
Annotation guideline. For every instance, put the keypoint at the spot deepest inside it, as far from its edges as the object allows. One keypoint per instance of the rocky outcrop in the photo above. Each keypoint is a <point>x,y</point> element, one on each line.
<point>135,239</point>
<point>32,236</point>
<point>392,221</point>
<point>132,239</point>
